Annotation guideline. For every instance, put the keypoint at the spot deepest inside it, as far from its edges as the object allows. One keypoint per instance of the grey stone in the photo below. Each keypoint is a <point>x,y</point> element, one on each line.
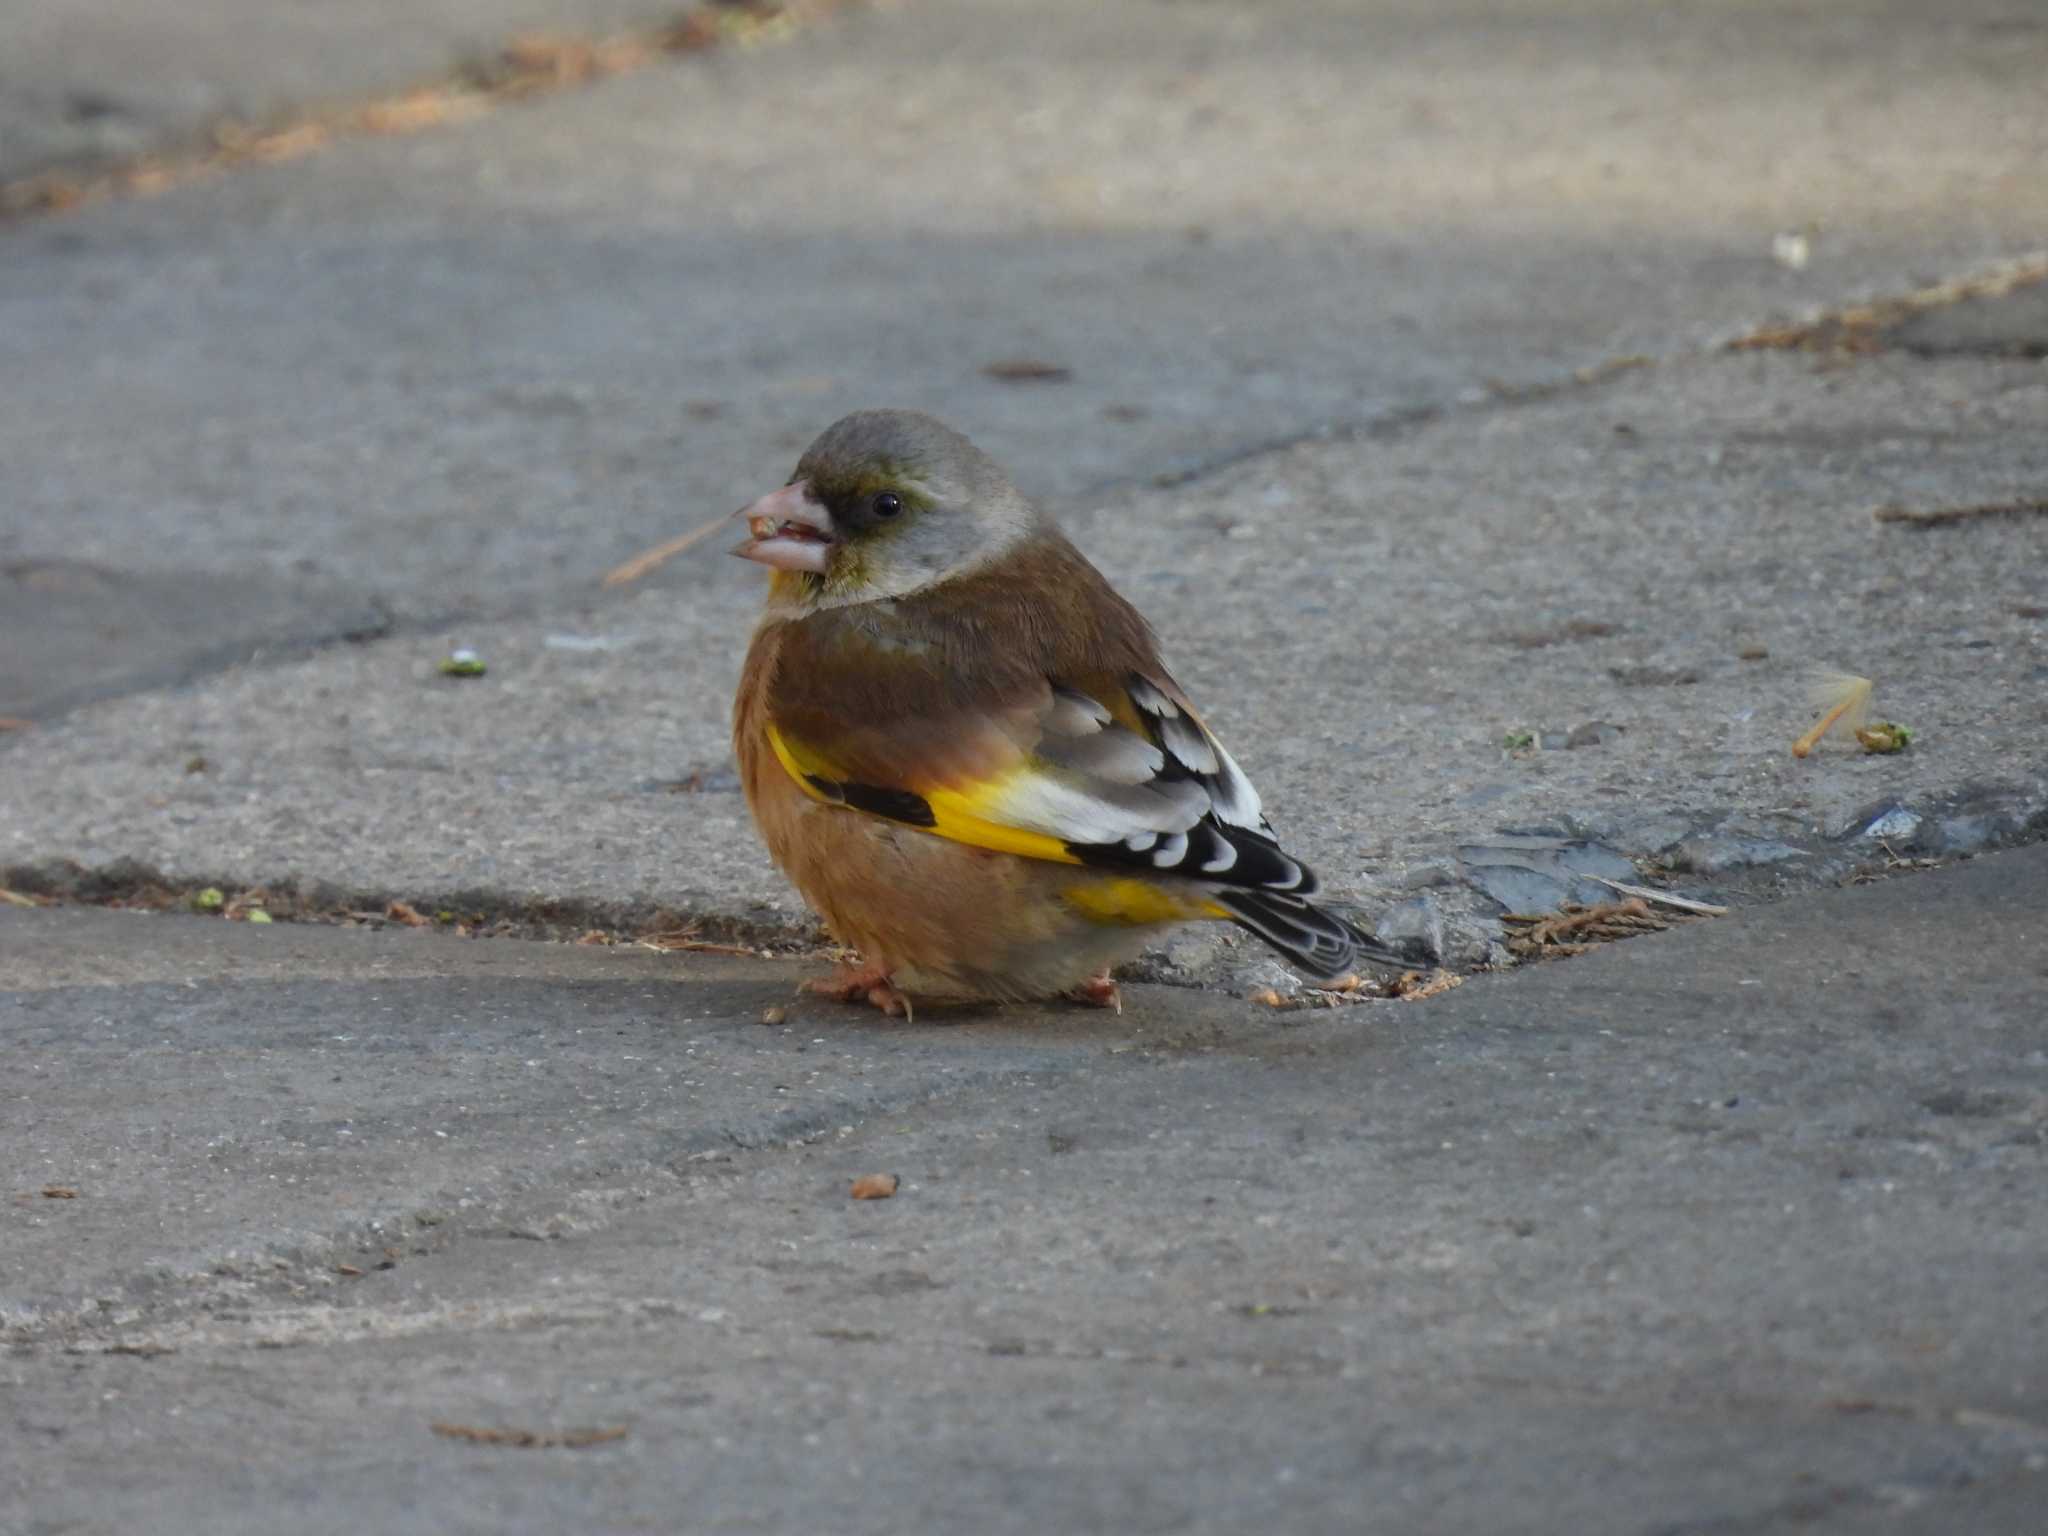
<point>1416,920</point>
<point>1718,854</point>
<point>1538,874</point>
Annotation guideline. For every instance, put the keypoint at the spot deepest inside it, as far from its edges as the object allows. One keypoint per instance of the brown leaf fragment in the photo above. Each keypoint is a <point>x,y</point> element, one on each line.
<point>1026,370</point>
<point>528,1439</point>
<point>1414,986</point>
<point>59,1192</point>
<point>348,1269</point>
<point>874,1186</point>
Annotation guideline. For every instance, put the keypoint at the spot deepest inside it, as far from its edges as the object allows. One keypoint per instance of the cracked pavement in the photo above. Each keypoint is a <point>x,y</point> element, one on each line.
<point>1396,394</point>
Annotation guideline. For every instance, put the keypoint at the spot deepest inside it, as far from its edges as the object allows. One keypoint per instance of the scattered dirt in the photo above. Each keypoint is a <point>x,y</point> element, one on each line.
<point>1939,517</point>
<point>1026,370</point>
<point>528,1439</point>
<point>1539,639</point>
<point>130,885</point>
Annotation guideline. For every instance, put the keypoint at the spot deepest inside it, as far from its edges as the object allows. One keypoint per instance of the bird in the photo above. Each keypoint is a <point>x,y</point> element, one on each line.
<point>960,744</point>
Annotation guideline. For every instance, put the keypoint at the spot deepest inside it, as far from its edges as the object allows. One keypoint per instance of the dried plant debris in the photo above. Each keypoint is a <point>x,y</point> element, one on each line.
<point>1027,370</point>
<point>1415,987</point>
<point>1844,702</point>
<point>630,571</point>
<point>685,940</point>
<point>1883,737</point>
<point>528,1439</point>
<point>1861,327</point>
<point>1543,639</point>
<point>874,1186</point>
<point>1937,517</point>
<point>523,69</point>
<point>1576,928</point>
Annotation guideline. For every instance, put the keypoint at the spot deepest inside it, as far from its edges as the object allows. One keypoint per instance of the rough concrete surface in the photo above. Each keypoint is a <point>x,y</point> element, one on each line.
<point>471,370</point>
<point>85,82</point>
<point>1730,1229</point>
<point>1366,620</point>
<point>1590,1247</point>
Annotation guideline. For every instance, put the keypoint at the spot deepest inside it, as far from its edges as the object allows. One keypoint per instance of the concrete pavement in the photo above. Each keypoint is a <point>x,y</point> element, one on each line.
<point>1394,394</point>
<point>1730,1229</point>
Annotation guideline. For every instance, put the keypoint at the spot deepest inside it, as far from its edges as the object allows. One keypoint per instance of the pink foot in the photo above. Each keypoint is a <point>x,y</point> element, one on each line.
<point>862,984</point>
<point>1099,992</point>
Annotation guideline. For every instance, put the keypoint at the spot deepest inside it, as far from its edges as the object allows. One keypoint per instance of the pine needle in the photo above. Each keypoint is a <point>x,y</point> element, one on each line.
<point>649,559</point>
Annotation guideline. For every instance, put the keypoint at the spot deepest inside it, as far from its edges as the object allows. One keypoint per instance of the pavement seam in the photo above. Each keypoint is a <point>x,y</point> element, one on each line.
<point>527,67</point>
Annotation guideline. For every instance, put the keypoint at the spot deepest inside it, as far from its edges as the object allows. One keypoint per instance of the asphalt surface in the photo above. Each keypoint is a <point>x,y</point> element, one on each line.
<point>1378,353</point>
<point>1734,1228</point>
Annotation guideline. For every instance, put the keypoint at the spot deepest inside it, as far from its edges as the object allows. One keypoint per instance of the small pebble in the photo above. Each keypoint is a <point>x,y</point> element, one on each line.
<point>774,1015</point>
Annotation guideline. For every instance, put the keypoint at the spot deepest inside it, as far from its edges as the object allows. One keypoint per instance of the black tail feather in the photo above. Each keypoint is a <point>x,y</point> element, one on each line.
<point>1317,940</point>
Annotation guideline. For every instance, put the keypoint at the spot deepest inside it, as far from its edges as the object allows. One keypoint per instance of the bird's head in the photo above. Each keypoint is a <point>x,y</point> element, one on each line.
<point>882,504</point>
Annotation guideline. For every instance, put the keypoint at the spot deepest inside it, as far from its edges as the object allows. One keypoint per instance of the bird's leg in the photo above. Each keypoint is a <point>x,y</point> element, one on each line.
<point>862,984</point>
<point>1099,991</point>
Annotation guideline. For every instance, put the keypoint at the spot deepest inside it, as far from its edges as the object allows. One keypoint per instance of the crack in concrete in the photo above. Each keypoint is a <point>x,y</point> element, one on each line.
<point>525,68</point>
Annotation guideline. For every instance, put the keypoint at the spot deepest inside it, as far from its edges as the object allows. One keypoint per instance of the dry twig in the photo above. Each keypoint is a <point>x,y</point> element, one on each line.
<point>1576,928</point>
<point>630,571</point>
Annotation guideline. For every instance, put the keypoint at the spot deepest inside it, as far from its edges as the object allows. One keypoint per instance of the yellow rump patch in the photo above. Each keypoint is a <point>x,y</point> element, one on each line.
<point>1122,899</point>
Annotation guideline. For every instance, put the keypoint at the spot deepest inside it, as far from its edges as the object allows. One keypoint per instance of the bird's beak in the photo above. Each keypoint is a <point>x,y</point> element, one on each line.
<point>791,532</point>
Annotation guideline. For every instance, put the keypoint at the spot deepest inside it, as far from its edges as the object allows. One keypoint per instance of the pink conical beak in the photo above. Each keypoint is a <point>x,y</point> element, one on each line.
<point>791,532</point>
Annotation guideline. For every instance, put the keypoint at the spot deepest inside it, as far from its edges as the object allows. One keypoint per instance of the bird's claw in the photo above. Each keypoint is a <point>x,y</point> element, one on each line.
<point>1099,992</point>
<point>863,984</point>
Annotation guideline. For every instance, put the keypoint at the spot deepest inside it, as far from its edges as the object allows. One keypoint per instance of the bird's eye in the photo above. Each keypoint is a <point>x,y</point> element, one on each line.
<point>887,505</point>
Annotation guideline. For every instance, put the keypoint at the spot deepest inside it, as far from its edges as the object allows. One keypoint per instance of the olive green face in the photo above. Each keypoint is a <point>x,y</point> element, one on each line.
<point>909,501</point>
<point>878,499</point>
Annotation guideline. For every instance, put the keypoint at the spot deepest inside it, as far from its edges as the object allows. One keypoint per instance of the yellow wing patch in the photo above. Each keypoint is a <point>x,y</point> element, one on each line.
<point>800,767</point>
<point>956,814</point>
